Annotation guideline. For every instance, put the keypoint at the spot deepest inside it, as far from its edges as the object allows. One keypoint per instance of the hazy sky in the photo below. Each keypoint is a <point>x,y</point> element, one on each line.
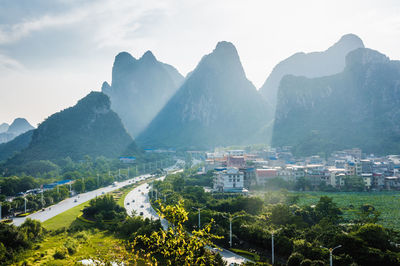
<point>53,52</point>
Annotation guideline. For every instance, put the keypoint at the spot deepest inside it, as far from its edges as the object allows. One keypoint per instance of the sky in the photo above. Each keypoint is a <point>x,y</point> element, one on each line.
<point>54,52</point>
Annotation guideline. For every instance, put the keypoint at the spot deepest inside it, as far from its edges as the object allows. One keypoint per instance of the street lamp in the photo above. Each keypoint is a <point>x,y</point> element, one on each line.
<point>272,245</point>
<point>199,209</point>
<point>330,253</point>
<point>231,218</point>
<point>25,204</point>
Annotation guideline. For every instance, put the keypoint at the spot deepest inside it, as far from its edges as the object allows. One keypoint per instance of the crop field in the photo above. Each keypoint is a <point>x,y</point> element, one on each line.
<point>387,203</point>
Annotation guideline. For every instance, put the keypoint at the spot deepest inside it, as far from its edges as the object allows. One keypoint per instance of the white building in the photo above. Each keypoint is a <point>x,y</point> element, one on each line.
<point>236,152</point>
<point>229,180</point>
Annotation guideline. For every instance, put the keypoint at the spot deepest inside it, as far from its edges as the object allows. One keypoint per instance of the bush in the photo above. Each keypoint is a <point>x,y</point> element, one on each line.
<point>60,254</point>
<point>306,262</point>
<point>295,259</point>
<point>71,246</point>
<point>81,236</point>
<point>33,229</point>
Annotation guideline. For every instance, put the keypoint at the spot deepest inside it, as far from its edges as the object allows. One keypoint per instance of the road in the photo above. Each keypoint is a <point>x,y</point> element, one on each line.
<point>70,202</point>
<point>137,201</point>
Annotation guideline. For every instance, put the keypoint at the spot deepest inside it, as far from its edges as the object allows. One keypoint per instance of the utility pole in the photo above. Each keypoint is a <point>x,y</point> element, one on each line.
<point>198,209</point>
<point>272,249</point>
<point>231,218</point>
<point>330,253</point>
<point>40,199</point>
<point>272,245</point>
<point>25,204</point>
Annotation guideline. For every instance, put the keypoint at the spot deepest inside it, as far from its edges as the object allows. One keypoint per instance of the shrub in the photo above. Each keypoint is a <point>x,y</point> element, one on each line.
<point>81,236</point>
<point>61,253</point>
<point>306,262</point>
<point>71,246</point>
<point>295,259</point>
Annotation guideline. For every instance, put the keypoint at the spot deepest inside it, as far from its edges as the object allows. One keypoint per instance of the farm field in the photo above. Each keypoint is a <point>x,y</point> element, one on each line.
<point>387,203</point>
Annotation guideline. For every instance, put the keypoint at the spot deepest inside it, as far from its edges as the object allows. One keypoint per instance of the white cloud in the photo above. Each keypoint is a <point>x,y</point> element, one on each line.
<point>9,64</point>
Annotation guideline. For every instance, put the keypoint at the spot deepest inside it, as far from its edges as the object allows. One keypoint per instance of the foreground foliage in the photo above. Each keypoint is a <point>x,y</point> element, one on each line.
<point>175,246</point>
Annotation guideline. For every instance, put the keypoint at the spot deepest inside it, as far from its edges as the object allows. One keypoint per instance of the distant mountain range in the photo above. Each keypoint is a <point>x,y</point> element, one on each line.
<point>347,96</point>
<point>311,65</point>
<point>88,128</point>
<point>216,105</point>
<point>140,88</point>
<point>359,107</point>
<point>17,127</point>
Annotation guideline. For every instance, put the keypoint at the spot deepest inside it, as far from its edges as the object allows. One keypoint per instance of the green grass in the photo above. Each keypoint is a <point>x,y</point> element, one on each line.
<point>65,219</point>
<point>95,244</point>
<point>385,202</point>
<point>68,217</point>
<point>247,254</point>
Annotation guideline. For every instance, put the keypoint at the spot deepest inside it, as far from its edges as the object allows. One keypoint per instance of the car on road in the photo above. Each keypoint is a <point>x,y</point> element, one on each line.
<point>141,213</point>
<point>133,200</point>
<point>76,200</point>
<point>141,206</point>
<point>102,193</point>
<point>127,203</point>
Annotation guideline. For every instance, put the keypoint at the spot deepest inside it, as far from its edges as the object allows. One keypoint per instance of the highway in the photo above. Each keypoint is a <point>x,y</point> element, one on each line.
<point>137,201</point>
<point>68,203</point>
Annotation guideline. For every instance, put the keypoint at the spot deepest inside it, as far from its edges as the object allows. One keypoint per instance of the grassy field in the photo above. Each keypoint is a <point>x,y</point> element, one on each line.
<point>87,244</point>
<point>387,203</point>
<point>64,219</point>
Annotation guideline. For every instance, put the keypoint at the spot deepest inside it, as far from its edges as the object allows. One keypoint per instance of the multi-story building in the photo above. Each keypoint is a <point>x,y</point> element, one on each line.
<point>229,180</point>
<point>249,176</point>
<point>262,175</point>
<point>236,161</point>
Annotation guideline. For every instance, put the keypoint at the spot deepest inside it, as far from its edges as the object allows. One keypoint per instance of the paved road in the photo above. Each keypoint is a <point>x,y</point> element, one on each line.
<point>138,201</point>
<point>70,202</point>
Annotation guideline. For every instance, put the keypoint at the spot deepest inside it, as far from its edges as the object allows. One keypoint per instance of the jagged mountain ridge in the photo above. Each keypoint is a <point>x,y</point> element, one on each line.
<point>359,107</point>
<point>311,65</point>
<point>140,88</point>
<point>216,105</point>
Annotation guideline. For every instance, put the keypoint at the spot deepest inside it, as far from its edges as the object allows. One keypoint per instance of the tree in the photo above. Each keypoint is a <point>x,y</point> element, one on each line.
<point>79,186</point>
<point>368,214</point>
<point>354,183</point>
<point>374,235</point>
<point>295,259</point>
<point>175,246</point>
<point>32,228</point>
<point>326,208</point>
